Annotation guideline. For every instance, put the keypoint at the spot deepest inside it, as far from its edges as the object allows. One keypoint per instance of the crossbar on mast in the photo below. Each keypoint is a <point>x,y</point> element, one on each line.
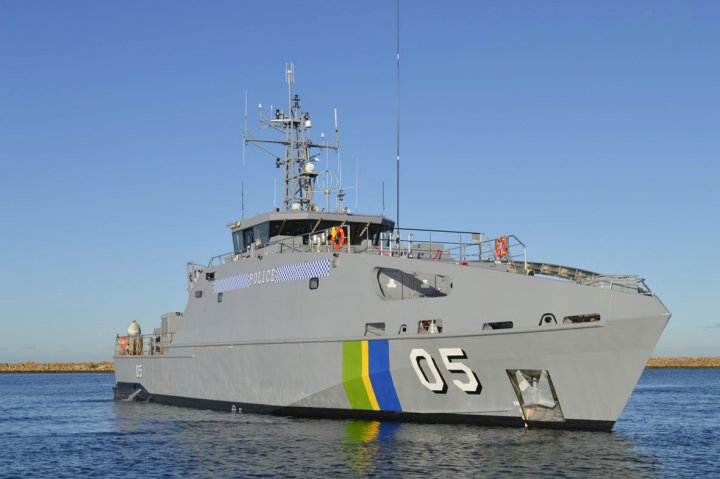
<point>298,158</point>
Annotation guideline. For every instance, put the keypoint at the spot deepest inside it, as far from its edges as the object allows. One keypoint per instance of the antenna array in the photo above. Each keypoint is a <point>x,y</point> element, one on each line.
<point>299,157</point>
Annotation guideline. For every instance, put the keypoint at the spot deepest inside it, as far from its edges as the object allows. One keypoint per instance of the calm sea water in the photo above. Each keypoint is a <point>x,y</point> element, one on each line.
<point>67,425</point>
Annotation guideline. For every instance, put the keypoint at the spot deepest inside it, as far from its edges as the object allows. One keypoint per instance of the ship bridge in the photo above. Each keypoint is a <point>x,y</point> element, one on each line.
<point>271,227</point>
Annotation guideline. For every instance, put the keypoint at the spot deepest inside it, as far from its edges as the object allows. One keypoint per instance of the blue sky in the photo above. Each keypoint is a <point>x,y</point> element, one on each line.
<point>589,130</point>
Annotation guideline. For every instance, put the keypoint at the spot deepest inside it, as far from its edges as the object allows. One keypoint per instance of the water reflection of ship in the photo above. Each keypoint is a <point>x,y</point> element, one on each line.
<point>240,445</point>
<point>375,448</point>
<point>363,443</point>
<point>358,431</point>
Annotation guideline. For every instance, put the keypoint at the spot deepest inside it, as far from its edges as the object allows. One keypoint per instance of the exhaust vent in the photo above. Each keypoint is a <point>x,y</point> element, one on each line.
<point>582,318</point>
<point>498,325</point>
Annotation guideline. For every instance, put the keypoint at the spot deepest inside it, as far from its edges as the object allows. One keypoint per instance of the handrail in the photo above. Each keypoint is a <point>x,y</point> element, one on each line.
<point>142,344</point>
<point>441,245</point>
<point>429,244</point>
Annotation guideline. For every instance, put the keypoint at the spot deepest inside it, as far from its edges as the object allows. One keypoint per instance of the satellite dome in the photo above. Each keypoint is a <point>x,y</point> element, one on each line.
<point>134,329</point>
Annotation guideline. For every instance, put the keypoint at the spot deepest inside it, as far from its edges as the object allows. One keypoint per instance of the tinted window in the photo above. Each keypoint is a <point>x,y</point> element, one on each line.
<point>238,242</point>
<point>248,236</point>
<point>262,232</point>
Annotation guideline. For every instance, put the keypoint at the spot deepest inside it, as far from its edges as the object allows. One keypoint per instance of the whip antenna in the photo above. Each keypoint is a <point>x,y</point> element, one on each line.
<point>383,197</point>
<point>245,130</point>
<point>397,106</point>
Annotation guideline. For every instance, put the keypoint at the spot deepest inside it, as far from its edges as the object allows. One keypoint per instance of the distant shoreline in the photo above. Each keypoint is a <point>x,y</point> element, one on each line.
<point>684,362</point>
<point>79,367</point>
<point>107,366</point>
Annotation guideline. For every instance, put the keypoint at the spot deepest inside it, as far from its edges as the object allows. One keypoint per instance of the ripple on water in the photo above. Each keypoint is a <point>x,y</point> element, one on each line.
<point>68,426</point>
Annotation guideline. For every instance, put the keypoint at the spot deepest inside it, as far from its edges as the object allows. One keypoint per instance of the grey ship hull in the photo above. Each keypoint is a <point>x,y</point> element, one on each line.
<point>274,345</point>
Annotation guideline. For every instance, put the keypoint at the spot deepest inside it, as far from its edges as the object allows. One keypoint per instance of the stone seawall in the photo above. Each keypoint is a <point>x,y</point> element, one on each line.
<point>107,367</point>
<point>684,362</point>
<point>82,367</point>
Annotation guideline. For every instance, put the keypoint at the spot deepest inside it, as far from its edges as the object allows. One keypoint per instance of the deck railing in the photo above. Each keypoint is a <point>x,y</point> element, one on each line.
<point>142,344</point>
<point>448,245</point>
<point>430,245</point>
<point>424,244</point>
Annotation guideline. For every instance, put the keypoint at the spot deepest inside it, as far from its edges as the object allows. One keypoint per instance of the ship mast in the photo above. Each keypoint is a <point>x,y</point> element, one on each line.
<point>299,159</point>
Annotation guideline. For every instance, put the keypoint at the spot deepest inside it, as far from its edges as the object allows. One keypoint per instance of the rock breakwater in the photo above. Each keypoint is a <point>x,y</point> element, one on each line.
<point>684,362</point>
<point>107,366</point>
<point>81,367</point>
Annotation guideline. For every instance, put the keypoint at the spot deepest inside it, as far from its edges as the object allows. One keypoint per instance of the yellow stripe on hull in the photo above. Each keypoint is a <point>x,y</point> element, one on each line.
<point>366,377</point>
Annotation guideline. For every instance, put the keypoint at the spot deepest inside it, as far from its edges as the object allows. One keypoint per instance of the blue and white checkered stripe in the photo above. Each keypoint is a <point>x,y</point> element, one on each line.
<point>309,269</point>
<point>283,274</point>
<point>231,283</point>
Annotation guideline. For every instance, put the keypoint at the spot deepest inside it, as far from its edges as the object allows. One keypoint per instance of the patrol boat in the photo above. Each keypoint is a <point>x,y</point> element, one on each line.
<point>335,314</point>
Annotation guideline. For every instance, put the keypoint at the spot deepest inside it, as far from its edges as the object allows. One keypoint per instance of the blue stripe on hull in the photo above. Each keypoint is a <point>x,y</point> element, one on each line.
<point>380,377</point>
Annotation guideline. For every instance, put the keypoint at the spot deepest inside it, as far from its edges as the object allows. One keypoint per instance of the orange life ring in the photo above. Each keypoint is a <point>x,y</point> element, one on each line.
<point>123,342</point>
<point>337,237</point>
<point>501,247</point>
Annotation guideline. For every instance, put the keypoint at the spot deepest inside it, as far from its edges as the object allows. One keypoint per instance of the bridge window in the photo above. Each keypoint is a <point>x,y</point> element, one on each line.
<point>238,245</point>
<point>243,238</point>
<point>262,232</point>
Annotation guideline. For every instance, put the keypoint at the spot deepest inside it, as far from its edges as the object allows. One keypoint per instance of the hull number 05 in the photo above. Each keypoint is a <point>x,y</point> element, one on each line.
<point>429,375</point>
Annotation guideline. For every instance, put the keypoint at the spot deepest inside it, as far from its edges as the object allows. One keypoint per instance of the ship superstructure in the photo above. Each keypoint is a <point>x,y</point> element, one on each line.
<point>331,313</point>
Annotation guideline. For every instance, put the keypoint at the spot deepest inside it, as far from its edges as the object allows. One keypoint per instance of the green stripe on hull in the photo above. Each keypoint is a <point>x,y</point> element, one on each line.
<point>352,376</point>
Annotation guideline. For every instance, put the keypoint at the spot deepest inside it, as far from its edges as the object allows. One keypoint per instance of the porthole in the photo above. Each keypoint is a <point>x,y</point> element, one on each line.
<point>314,283</point>
<point>547,318</point>
<point>220,297</point>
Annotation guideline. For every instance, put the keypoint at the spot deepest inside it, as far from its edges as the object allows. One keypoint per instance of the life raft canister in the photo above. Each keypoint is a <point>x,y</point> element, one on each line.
<point>337,237</point>
<point>123,341</point>
<point>501,247</point>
